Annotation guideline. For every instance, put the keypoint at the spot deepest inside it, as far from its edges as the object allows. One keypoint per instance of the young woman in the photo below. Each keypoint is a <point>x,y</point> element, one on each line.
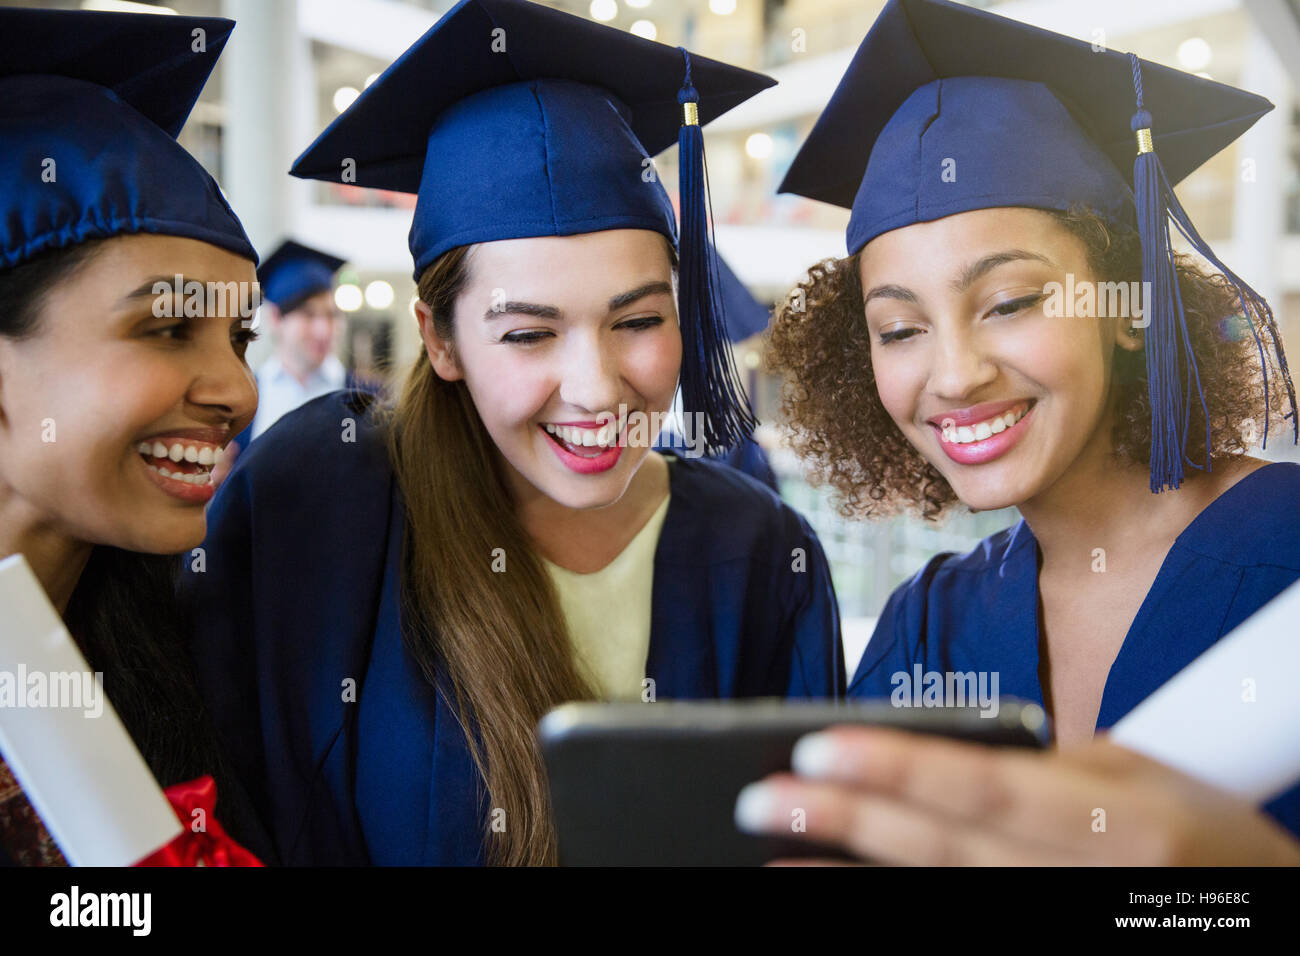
<point>115,399</point>
<point>988,186</point>
<point>393,599</point>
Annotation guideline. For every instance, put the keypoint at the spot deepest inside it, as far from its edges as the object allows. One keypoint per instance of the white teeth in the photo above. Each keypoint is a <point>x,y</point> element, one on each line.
<point>199,478</point>
<point>965,434</point>
<point>585,437</point>
<point>206,457</point>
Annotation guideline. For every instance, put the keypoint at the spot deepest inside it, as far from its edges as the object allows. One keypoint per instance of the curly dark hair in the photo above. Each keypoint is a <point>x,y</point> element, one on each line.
<point>837,424</point>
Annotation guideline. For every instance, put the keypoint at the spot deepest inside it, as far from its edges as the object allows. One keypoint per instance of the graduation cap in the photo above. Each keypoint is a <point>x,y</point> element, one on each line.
<point>90,107</point>
<point>746,316</point>
<point>946,109</point>
<point>513,120</point>
<point>294,273</point>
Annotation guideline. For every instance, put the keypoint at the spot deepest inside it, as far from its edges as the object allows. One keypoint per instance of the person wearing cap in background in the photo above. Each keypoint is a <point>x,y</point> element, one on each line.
<point>745,317</point>
<point>505,539</point>
<point>298,304</point>
<point>985,161</point>
<point>118,395</point>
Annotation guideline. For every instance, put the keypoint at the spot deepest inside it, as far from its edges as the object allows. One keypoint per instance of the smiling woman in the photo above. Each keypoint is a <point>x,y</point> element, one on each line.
<point>161,392</point>
<point>879,469</point>
<point>114,402</point>
<point>500,542</point>
<point>929,368</point>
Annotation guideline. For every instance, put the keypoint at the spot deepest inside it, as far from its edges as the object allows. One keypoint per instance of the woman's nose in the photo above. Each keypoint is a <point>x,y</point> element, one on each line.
<point>960,365</point>
<point>589,376</point>
<point>224,382</point>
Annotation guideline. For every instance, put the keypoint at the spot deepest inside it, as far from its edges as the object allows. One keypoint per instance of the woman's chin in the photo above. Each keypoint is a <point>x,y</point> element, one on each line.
<point>986,493</point>
<point>585,493</point>
<point>170,535</point>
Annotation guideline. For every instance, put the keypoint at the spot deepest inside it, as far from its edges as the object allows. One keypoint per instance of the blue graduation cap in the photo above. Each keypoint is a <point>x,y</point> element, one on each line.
<point>90,107</point>
<point>746,316</point>
<point>513,120</point>
<point>294,273</point>
<point>1026,117</point>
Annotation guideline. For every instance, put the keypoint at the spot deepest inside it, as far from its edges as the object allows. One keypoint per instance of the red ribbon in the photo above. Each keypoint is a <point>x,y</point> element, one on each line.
<point>210,846</point>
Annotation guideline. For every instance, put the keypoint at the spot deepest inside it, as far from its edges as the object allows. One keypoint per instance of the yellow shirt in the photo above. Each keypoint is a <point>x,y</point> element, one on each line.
<point>608,613</point>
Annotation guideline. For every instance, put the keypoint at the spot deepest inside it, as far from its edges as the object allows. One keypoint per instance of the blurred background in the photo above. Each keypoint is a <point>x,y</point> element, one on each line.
<point>292,65</point>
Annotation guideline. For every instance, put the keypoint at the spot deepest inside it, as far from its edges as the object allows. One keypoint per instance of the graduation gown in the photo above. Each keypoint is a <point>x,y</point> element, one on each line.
<point>350,383</point>
<point>347,750</point>
<point>979,611</point>
<point>748,457</point>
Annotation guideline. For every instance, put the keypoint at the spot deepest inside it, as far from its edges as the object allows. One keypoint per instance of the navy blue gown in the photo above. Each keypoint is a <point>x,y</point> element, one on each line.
<point>350,384</point>
<point>747,457</point>
<point>979,611</point>
<point>300,595</point>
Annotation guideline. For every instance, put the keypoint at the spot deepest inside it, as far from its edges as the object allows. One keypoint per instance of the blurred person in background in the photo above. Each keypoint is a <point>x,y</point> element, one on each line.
<point>297,284</point>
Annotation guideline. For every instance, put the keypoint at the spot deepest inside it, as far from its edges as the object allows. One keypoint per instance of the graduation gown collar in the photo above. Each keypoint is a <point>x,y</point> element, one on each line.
<point>1154,633</point>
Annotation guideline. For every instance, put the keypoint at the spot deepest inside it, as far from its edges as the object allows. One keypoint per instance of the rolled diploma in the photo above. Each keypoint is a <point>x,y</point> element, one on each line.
<point>82,773</point>
<point>1231,717</point>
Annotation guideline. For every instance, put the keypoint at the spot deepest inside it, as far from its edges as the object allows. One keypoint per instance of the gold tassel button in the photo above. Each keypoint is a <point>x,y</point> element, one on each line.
<point>690,114</point>
<point>1145,145</point>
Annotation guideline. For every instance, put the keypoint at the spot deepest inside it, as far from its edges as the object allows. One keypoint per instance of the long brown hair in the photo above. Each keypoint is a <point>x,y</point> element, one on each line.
<point>479,600</point>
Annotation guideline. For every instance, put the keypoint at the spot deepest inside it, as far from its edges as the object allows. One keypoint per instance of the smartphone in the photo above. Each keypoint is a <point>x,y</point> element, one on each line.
<point>655,784</point>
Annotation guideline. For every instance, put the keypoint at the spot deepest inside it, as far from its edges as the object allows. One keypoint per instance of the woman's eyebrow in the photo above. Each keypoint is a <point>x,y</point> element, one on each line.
<point>551,312</point>
<point>890,292</point>
<point>981,266</point>
<point>522,308</point>
<point>627,298</point>
<point>147,289</point>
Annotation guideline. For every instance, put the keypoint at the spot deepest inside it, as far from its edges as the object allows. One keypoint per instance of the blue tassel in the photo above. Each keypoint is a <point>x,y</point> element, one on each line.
<point>709,380</point>
<point>1172,374</point>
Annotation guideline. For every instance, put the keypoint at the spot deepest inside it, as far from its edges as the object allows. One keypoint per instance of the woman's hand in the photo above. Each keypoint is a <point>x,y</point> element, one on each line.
<point>892,797</point>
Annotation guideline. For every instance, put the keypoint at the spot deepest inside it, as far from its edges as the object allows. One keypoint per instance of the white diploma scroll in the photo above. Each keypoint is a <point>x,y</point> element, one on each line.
<point>1231,717</point>
<point>63,740</point>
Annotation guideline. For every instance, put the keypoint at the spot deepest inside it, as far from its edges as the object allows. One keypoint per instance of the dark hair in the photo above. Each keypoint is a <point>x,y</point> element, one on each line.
<point>23,287</point>
<point>819,340</point>
<point>123,613</point>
